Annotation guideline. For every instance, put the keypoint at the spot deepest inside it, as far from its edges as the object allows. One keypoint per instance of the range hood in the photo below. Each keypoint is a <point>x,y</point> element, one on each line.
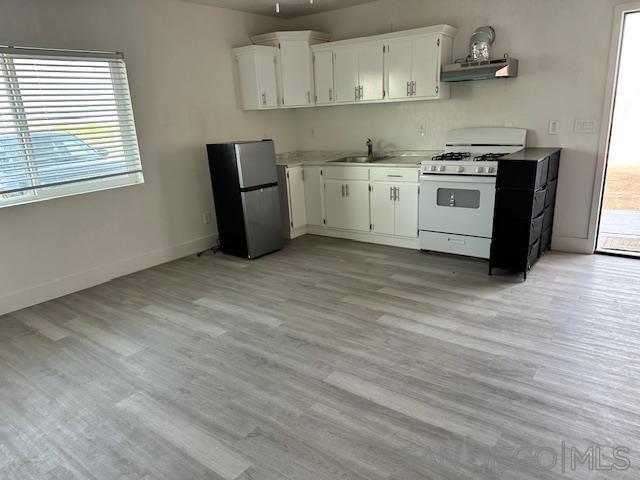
<point>480,70</point>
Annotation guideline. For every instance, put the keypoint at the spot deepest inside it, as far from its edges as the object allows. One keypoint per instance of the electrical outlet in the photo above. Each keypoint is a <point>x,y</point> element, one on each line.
<point>206,218</point>
<point>584,126</point>
<point>554,127</point>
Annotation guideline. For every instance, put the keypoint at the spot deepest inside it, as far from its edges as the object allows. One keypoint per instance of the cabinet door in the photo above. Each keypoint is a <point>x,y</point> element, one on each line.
<point>357,206</point>
<point>313,195</point>
<point>426,65</point>
<point>347,204</point>
<point>345,73</point>
<point>406,215</point>
<point>295,73</point>
<point>398,61</point>
<point>383,208</point>
<point>249,85</point>
<point>371,71</point>
<point>266,70</point>
<point>335,203</point>
<point>323,71</point>
<point>297,209</point>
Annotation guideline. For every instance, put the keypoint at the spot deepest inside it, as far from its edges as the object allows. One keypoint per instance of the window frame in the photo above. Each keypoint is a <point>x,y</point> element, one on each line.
<point>24,132</point>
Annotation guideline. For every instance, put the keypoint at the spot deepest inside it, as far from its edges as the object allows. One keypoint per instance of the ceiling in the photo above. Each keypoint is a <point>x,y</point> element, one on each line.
<point>288,8</point>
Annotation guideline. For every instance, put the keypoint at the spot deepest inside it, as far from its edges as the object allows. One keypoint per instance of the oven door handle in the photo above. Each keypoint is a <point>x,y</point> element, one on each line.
<point>457,179</point>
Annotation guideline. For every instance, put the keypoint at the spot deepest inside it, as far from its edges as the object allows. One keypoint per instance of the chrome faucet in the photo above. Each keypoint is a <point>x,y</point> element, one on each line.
<point>369,147</point>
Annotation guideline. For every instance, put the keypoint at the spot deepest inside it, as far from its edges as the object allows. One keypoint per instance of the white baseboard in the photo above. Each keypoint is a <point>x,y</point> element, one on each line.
<point>75,282</point>
<point>572,245</point>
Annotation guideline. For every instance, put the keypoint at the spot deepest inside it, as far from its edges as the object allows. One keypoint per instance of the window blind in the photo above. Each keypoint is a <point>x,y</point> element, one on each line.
<point>66,124</point>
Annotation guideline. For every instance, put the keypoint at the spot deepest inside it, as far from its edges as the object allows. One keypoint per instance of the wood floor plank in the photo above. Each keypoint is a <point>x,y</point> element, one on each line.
<point>117,343</point>
<point>192,440</point>
<point>410,407</point>
<point>186,321</point>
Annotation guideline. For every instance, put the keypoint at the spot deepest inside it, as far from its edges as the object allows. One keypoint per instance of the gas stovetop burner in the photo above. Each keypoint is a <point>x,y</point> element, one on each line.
<point>488,157</point>
<point>452,156</point>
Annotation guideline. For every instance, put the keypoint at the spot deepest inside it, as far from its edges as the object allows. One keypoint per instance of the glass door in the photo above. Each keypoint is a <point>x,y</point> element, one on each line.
<point>619,230</point>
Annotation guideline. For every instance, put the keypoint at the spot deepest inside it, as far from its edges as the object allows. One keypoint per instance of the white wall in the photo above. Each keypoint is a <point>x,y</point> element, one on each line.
<point>563,49</point>
<point>179,61</point>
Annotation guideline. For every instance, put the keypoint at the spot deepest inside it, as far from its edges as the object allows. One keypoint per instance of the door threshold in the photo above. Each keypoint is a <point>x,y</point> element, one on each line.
<point>619,253</point>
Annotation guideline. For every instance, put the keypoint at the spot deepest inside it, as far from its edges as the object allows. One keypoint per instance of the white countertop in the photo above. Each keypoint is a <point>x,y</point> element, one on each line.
<point>403,158</point>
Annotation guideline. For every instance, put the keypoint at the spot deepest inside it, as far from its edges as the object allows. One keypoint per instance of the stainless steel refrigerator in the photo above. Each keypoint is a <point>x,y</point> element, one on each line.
<point>247,197</point>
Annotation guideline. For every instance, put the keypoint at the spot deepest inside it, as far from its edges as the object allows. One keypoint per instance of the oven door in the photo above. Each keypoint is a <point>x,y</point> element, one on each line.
<point>457,204</point>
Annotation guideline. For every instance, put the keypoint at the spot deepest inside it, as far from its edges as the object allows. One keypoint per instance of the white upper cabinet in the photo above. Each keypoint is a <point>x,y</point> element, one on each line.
<point>345,74</point>
<point>358,72</point>
<point>257,77</point>
<point>399,62</point>
<point>426,63</point>
<point>398,66</point>
<point>370,71</point>
<point>323,76</point>
<point>294,65</point>
<point>413,67</point>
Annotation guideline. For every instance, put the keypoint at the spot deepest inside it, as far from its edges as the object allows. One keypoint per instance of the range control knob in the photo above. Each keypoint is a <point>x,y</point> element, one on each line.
<point>490,169</point>
<point>460,169</point>
<point>480,170</point>
<point>442,168</point>
<point>432,168</point>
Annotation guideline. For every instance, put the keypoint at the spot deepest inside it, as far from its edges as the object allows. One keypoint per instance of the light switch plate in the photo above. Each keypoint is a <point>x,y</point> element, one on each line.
<point>554,127</point>
<point>584,126</point>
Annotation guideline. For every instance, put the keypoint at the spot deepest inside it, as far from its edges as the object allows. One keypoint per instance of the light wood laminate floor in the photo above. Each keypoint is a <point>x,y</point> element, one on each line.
<point>328,360</point>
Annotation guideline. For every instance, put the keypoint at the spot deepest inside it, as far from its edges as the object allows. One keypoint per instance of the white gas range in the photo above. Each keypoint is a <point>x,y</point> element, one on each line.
<point>458,187</point>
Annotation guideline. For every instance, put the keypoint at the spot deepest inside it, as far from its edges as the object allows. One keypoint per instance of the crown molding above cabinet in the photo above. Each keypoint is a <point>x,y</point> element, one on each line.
<point>303,69</point>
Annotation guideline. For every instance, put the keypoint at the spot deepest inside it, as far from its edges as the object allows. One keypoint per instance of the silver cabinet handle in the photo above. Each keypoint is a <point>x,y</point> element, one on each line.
<point>408,89</point>
<point>357,91</point>
<point>343,190</point>
<point>413,88</point>
<point>331,95</point>
<point>264,98</point>
<point>347,190</point>
<point>308,96</point>
<point>398,194</point>
<point>391,193</point>
<point>361,90</point>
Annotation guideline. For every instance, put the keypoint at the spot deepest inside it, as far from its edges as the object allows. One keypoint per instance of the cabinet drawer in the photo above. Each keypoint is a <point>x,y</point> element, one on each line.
<point>514,203</point>
<point>456,244</point>
<point>534,253</point>
<point>346,173</point>
<point>554,166</point>
<point>395,175</point>
<point>523,174</point>
<point>538,202</point>
<point>542,173</point>
<point>536,229</point>
<point>514,232</point>
<point>545,241</point>
<point>552,188</point>
<point>548,218</point>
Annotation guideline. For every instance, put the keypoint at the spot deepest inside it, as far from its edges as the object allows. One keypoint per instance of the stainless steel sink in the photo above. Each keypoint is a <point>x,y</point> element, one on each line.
<point>361,159</point>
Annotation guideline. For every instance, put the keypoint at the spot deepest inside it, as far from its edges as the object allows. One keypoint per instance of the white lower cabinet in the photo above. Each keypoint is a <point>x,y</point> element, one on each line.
<point>394,209</point>
<point>406,212</point>
<point>313,195</point>
<point>347,204</point>
<point>378,205</point>
<point>292,204</point>
<point>383,208</point>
